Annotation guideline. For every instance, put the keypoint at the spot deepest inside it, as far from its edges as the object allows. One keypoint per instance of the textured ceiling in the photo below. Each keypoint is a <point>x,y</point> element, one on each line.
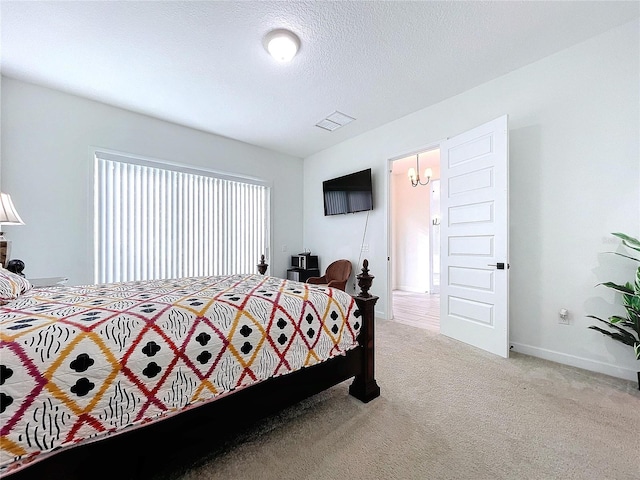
<point>203,64</point>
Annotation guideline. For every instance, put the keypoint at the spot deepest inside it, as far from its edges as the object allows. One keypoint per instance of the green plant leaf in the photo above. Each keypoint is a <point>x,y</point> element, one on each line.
<point>628,241</point>
<point>631,246</point>
<point>631,303</point>
<point>631,299</point>
<point>626,256</point>
<point>625,329</point>
<point>623,332</point>
<point>618,288</point>
<point>633,313</point>
<point>617,319</point>
<point>625,324</point>
<point>627,340</point>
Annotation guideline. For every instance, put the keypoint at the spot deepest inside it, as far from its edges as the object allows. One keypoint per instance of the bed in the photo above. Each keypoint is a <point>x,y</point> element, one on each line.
<point>84,370</point>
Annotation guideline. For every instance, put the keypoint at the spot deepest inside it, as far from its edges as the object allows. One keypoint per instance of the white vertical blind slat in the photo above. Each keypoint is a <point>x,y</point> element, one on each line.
<point>144,226</point>
<point>129,198</point>
<point>122,220</point>
<point>190,220</point>
<point>201,215</point>
<point>218,228</point>
<point>165,252</point>
<point>115,219</point>
<point>227,231</point>
<point>138,224</point>
<point>206,222</point>
<point>179,225</point>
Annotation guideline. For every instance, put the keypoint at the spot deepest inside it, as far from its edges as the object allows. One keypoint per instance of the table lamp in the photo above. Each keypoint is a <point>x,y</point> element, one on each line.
<point>8,216</point>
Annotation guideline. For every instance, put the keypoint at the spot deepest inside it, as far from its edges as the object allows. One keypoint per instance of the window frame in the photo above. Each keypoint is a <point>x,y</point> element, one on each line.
<point>96,153</point>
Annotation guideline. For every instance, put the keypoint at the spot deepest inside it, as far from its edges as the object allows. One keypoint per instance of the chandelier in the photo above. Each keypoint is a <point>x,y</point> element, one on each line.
<point>414,174</point>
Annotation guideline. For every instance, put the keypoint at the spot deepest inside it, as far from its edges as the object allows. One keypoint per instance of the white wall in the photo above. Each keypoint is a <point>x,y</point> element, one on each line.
<point>410,224</point>
<point>46,167</point>
<point>574,123</point>
<point>410,234</point>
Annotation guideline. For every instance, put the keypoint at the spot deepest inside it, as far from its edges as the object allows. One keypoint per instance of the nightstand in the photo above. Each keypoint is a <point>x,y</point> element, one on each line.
<point>48,282</point>
<point>301,275</point>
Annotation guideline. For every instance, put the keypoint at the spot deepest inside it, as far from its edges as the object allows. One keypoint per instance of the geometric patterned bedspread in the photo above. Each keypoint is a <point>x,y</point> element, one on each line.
<point>81,363</point>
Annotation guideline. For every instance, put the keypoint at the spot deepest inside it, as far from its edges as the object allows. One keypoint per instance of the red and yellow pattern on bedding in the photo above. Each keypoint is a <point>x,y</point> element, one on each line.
<point>79,363</point>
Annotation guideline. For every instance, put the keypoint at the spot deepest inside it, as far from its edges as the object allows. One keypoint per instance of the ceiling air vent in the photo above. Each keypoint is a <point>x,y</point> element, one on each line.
<point>334,121</point>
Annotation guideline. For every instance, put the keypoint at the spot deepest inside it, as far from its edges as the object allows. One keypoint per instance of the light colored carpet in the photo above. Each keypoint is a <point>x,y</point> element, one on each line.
<point>447,411</point>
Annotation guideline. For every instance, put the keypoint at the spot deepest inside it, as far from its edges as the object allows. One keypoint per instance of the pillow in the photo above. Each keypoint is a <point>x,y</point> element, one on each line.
<point>12,286</point>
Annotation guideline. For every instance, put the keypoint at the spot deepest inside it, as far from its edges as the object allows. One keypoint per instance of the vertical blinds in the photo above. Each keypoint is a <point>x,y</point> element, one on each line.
<point>155,223</point>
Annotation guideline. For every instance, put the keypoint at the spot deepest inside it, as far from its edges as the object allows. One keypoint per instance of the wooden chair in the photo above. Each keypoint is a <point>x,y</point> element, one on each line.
<point>336,275</point>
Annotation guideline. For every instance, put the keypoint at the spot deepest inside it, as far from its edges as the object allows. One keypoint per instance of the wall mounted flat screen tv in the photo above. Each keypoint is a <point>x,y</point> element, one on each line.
<point>348,194</point>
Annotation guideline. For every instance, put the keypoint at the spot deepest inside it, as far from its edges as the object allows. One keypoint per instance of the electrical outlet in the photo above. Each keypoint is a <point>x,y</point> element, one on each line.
<point>284,248</point>
<point>563,316</point>
<point>364,248</point>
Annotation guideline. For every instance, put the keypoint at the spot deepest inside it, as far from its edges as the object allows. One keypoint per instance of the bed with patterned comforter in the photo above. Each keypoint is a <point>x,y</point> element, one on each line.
<point>81,363</point>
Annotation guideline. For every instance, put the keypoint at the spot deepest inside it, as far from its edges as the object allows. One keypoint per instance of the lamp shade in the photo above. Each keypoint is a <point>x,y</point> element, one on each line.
<point>8,213</point>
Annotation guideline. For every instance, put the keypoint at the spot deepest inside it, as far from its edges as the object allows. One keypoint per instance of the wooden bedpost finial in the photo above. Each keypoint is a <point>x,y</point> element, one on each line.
<point>365,280</point>
<point>364,386</point>
<point>262,266</point>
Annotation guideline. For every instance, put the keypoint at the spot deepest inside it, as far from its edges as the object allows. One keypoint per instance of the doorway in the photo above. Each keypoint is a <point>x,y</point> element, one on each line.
<point>415,240</point>
<point>474,234</point>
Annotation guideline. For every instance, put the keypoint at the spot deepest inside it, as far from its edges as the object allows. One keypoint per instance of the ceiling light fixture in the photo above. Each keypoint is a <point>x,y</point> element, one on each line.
<point>414,174</point>
<point>282,44</point>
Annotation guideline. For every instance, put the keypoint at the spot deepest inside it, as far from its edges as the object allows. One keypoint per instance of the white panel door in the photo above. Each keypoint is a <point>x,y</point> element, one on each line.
<point>474,287</point>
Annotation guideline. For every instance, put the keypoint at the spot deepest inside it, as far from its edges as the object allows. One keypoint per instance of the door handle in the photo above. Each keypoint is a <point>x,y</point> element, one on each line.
<point>499,265</point>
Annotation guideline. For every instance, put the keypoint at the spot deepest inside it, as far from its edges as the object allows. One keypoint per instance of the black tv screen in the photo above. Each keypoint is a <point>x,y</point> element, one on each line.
<point>348,194</point>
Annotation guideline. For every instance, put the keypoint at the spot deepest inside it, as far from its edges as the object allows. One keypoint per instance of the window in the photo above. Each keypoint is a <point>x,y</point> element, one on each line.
<point>156,221</point>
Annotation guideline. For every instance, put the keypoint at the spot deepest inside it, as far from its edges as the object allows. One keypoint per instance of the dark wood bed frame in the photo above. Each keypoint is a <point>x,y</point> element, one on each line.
<point>171,446</point>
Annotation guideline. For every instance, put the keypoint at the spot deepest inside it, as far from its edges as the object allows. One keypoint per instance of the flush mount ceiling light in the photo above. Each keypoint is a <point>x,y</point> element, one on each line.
<point>282,44</point>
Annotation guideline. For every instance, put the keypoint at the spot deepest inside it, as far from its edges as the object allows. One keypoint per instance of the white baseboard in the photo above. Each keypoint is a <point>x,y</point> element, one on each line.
<point>380,314</point>
<point>406,288</point>
<point>572,360</point>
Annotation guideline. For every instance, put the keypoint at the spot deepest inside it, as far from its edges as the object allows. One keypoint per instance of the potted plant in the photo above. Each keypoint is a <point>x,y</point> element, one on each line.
<point>625,329</point>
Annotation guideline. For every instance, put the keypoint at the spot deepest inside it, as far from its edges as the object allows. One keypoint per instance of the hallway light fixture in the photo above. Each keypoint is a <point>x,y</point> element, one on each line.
<point>414,174</point>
